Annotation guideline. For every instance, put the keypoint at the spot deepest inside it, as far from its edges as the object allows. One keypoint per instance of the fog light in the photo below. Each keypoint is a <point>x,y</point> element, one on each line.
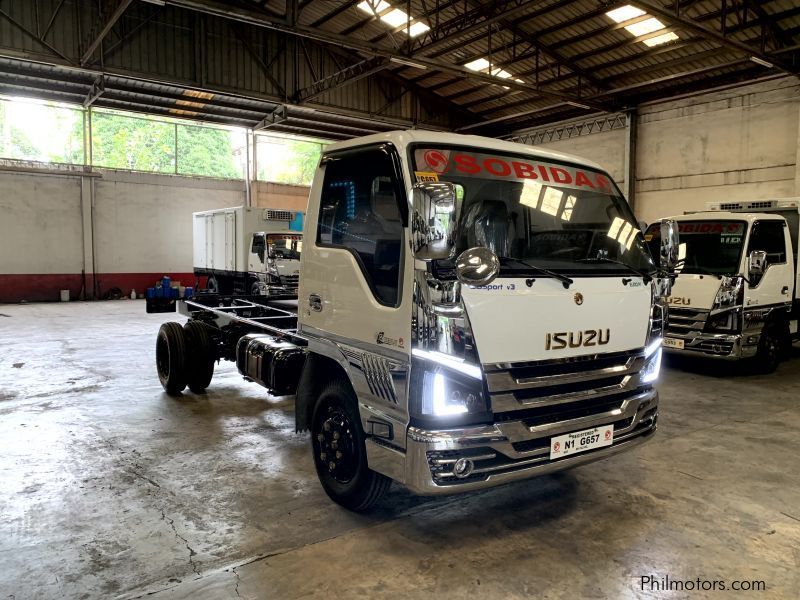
<point>463,468</point>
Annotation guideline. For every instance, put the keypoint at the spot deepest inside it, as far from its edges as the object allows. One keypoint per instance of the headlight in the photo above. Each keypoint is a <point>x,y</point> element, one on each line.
<point>730,293</point>
<point>726,321</point>
<point>652,365</point>
<point>446,393</point>
<point>443,396</point>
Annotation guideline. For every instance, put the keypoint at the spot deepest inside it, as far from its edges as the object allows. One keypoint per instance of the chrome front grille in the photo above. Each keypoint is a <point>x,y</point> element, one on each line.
<point>551,391</point>
<point>685,321</point>
<point>290,281</point>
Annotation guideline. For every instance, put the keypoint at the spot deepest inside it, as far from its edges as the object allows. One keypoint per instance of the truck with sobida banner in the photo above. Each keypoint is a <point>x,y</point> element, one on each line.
<point>470,312</point>
<point>736,295</point>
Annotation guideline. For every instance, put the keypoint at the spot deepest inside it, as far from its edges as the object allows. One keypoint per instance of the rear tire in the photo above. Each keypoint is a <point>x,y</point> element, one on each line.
<point>339,451</point>
<point>171,358</point>
<point>200,356</point>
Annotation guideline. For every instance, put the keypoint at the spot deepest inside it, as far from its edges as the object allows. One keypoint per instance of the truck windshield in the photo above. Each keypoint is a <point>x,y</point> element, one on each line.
<point>565,218</point>
<point>285,247</point>
<point>713,247</point>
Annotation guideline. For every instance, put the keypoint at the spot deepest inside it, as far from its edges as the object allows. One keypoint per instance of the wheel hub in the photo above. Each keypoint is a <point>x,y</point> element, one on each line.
<point>336,446</point>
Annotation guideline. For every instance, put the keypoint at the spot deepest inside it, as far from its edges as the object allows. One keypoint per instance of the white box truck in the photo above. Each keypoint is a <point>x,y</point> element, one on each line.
<point>249,251</point>
<point>736,294</point>
<point>471,312</point>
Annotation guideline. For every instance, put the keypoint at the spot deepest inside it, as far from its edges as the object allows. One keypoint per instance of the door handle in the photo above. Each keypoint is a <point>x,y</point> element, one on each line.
<point>315,302</point>
<point>785,290</point>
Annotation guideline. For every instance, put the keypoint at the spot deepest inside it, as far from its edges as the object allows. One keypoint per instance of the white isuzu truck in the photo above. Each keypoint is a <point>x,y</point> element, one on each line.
<point>471,312</point>
<point>250,251</point>
<point>736,294</point>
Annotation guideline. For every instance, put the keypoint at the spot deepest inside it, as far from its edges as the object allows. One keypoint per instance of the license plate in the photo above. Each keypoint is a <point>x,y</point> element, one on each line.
<point>581,441</point>
<point>673,343</point>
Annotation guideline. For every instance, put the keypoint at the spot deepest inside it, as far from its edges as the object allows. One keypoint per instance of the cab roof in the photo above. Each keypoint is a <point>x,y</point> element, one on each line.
<point>723,215</point>
<point>401,139</point>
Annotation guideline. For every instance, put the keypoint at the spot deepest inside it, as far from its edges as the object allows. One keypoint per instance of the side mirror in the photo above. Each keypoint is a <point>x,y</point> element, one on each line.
<point>477,266</point>
<point>756,263</point>
<point>670,243</point>
<point>434,219</point>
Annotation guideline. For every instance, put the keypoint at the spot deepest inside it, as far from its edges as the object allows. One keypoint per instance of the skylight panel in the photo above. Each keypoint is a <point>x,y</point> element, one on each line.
<point>478,64</point>
<point>661,39</point>
<point>373,6</point>
<point>417,28</point>
<point>498,72</point>
<point>644,27</point>
<point>625,13</point>
<point>395,18</point>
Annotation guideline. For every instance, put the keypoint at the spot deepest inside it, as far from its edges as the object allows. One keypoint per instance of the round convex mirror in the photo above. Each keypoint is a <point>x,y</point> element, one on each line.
<point>477,266</point>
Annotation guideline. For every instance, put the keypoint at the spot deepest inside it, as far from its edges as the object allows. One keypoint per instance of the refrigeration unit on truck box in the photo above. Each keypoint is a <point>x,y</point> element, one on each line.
<point>736,294</point>
<point>471,312</point>
<point>245,250</point>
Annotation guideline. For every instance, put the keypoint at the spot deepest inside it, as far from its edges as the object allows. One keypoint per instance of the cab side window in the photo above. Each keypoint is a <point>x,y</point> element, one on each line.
<point>768,236</point>
<point>258,245</point>
<point>360,210</point>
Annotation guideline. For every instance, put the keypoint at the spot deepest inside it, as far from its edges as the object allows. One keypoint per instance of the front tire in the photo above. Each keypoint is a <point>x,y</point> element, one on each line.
<point>771,347</point>
<point>171,358</point>
<point>339,451</point>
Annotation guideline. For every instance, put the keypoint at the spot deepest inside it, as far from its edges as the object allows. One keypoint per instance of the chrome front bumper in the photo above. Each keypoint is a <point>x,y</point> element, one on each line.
<point>716,345</point>
<point>506,451</point>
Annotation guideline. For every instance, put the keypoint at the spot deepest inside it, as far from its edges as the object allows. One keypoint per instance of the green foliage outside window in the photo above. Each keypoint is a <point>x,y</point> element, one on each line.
<point>48,132</point>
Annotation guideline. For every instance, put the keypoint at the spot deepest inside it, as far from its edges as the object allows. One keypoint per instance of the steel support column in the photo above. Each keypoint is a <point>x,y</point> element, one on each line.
<point>631,133</point>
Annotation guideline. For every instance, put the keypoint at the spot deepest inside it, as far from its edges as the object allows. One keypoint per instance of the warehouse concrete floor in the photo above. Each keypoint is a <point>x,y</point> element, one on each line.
<point>110,488</point>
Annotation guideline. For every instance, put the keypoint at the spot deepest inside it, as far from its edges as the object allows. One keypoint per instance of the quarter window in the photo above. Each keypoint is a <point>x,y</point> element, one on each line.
<point>360,211</point>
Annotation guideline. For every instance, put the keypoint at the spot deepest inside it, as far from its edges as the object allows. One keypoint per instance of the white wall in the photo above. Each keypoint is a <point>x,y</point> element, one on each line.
<point>136,226</point>
<point>737,144</point>
<point>40,224</point>
<point>606,149</point>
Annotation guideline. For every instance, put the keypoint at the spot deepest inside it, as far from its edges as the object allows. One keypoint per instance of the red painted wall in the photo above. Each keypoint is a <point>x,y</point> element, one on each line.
<point>47,287</point>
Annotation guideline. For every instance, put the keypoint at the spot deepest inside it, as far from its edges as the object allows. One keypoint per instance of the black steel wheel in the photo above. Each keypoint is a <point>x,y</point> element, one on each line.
<point>771,347</point>
<point>340,455</point>
<point>171,357</point>
<point>200,356</point>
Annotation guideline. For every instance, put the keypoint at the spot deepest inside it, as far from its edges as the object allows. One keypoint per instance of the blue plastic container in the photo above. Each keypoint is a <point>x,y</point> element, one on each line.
<point>166,282</point>
<point>159,292</point>
<point>151,292</point>
<point>188,293</point>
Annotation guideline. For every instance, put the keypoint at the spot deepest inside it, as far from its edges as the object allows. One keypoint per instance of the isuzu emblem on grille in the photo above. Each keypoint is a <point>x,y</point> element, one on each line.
<point>577,339</point>
<point>578,297</point>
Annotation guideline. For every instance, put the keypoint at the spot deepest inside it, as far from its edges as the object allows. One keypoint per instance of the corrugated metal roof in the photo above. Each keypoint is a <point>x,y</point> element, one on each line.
<point>568,52</point>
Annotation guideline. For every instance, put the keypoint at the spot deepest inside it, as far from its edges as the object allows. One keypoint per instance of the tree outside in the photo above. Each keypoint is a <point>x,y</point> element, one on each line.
<point>51,133</point>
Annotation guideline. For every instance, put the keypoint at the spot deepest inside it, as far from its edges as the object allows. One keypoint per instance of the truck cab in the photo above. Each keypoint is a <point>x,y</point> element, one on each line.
<point>735,295</point>
<point>471,312</point>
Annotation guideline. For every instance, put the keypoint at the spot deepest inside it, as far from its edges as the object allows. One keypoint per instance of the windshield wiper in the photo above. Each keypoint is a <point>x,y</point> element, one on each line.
<point>647,277</point>
<point>566,281</point>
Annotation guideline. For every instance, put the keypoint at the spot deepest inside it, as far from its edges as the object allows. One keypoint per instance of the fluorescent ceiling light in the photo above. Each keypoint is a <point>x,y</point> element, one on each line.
<point>519,81</point>
<point>625,13</point>
<point>578,105</point>
<point>373,6</point>
<point>395,18</point>
<point>478,64</point>
<point>498,72</point>
<point>762,62</point>
<point>407,63</point>
<point>661,39</point>
<point>644,27</point>
<point>417,28</point>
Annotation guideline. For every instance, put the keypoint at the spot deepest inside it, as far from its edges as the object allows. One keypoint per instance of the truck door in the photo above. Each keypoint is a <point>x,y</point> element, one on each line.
<point>776,285</point>
<point>353,259</point>
<point>258,249</point>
